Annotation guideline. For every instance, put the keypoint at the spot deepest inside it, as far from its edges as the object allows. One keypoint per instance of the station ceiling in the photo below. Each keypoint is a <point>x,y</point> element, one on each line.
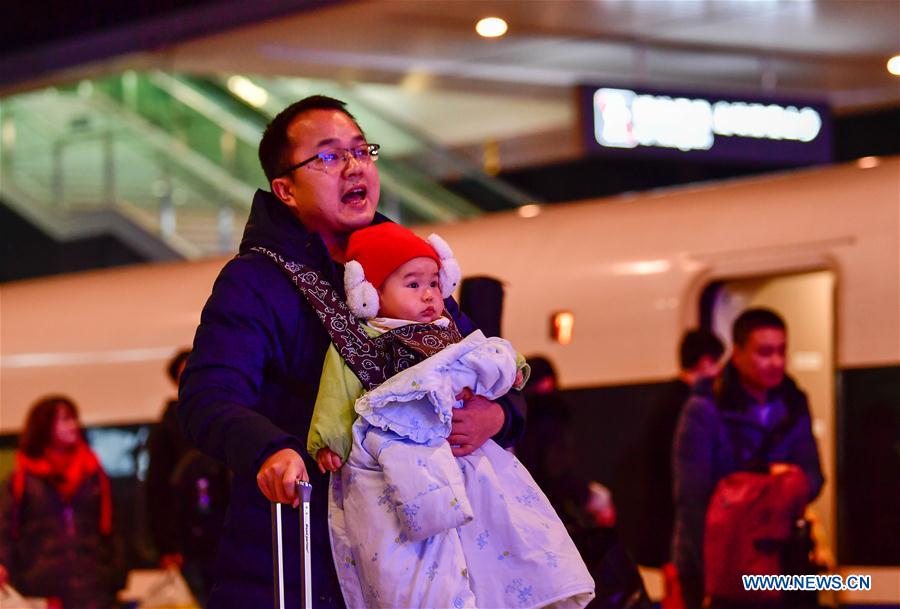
<point>423,61</point>
<point>835,50</point>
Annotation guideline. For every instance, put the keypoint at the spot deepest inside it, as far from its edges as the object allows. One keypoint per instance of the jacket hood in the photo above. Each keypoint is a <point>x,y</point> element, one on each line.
<point>273,226</point>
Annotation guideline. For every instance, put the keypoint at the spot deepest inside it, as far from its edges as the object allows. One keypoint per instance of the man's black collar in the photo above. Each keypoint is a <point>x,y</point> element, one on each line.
<point>273,226</point>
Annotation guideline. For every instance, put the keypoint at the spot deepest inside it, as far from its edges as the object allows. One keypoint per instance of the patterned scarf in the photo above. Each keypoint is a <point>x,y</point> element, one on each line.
<point>408,345</point>
<point>373,360</point>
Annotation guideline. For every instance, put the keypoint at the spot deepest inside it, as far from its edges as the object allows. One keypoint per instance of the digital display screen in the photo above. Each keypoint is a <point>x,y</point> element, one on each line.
<point>620,121</point>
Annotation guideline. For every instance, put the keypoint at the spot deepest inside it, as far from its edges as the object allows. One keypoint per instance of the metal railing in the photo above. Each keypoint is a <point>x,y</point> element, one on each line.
<point>73,153</point>
<point>176,154</point>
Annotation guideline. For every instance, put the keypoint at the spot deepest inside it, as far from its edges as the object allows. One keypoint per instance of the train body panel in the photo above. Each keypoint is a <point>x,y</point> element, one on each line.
<point>631,269</point>
<point>102,337</point>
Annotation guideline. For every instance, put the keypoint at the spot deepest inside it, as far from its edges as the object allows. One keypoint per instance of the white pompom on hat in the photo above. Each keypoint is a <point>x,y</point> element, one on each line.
<point>450,272</point>
<point>374,252</point>
<point>362,297</point>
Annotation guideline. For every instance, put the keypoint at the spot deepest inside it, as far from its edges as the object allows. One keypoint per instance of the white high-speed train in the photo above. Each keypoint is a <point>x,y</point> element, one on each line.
<point>631,272</point>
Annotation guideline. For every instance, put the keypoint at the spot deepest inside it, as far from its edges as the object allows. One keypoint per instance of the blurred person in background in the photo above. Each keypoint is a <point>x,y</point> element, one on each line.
<point>547,446</point>
<point>699,357</point>
<point>56,514</point>
<point>750,418</point>
<point>548,450</point>
<point>187,496</point>
<point>166,444</point>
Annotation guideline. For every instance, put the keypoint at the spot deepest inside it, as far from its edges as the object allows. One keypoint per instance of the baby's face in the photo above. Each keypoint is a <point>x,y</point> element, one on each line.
<point>413,292</point>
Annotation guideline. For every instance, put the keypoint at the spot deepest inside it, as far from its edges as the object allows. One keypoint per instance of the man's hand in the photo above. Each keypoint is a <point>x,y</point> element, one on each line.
<point>781,468</point>
<point>171,561</point>
<point>600,505</point>
<point>328,460</point>
<point>278,476</point>
<point>474,423</point>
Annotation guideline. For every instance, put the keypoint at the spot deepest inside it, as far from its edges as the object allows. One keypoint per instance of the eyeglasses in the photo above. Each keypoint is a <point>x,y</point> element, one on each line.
<point>334,158</point>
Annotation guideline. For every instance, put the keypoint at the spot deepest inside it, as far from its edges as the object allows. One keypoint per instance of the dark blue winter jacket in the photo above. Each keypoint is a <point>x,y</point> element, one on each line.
<point>719,433</point>
<point>248,391</point>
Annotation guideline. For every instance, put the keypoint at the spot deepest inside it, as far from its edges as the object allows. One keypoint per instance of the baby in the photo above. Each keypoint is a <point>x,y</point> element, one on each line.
<point>412,525</point>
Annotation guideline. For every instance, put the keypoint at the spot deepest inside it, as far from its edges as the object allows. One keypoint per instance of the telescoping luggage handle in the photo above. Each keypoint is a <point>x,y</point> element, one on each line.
<point>304,491</point>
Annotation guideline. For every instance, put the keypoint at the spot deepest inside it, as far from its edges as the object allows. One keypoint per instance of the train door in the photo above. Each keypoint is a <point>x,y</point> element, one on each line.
<point>806,302</point>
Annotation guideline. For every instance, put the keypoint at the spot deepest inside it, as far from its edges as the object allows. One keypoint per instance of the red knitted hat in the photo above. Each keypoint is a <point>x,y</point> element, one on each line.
<point>381,249</point>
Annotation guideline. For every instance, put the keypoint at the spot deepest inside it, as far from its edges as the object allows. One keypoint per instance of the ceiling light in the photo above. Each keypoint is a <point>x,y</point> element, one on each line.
<point>529,211</point>
<point>491,27</point>
<point>642,267</point>
<point>893,65</point>
<point>416,80</point>
<point>8,134</point>
<point>251,93</point>
<point>868,162</point>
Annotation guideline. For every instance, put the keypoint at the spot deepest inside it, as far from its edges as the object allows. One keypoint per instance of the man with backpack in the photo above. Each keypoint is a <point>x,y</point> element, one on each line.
<point>745,465</point>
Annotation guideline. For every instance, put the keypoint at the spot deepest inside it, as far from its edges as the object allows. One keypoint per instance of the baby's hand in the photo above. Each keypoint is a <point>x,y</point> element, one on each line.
<point>520,379</point>
<point>328,460</point>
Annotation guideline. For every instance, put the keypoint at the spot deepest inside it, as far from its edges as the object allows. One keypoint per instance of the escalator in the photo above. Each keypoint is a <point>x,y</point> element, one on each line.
<point>177,155</point>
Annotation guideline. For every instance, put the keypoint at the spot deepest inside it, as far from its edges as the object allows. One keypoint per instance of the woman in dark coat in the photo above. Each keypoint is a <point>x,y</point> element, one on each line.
<point>56,513</point>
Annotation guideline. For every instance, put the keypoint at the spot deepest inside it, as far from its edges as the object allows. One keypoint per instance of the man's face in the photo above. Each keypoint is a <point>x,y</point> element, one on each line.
<point>761,361</point>
<point>336,202</point>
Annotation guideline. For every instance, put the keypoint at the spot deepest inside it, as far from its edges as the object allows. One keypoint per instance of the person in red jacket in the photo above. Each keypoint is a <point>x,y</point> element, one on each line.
<point>56,513</point>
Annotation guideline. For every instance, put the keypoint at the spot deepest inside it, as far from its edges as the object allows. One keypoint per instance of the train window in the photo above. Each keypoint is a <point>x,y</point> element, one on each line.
<point>120,449</point>
<point>8,446</point>
<point>869,466</point>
